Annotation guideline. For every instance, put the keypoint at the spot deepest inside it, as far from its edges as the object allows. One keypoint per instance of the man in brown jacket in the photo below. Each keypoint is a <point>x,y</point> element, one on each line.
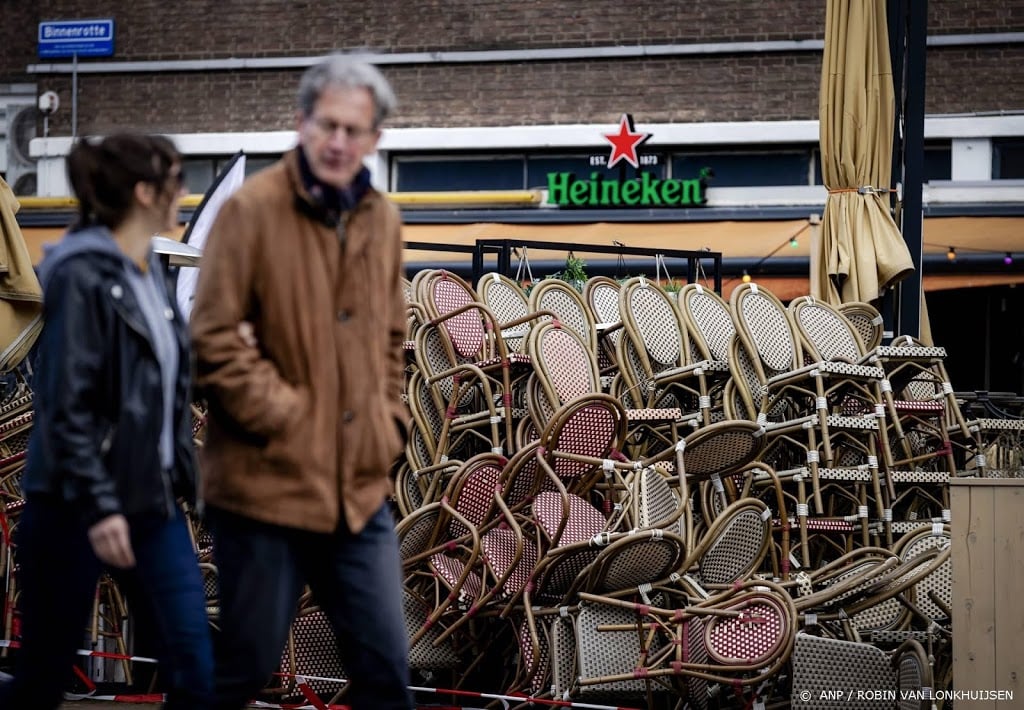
<point>298,324</point>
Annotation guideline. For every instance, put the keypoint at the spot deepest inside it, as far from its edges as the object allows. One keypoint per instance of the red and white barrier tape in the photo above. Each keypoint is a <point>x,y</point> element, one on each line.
<point>302,680</point>
<point>313,701</point>
<point>7,643</point>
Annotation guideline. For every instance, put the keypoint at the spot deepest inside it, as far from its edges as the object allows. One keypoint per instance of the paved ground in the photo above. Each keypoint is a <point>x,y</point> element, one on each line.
<point>98,705</point>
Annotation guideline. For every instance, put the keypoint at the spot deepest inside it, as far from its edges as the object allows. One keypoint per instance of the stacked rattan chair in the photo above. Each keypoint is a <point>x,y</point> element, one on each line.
<point>465,362</point>
<point>711,329</point>
<point>15,425</point>
<point>996,421</point>
<point>565,304</point>
<point>601,294</point>
<point>590,551</point>
<point>830,673</point>
<point>565,369</point>
<point>659,365</point>
<point>834,403</point>
<point>510,305</point>
<point>739,639</point>
<point>598,494</point>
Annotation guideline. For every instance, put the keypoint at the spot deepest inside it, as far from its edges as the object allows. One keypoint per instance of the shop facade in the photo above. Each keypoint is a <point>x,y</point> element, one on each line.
<point>505,112</point>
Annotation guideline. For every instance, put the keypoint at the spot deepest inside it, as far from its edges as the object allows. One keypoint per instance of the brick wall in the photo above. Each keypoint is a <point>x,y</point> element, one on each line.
<point>959,79</point>
<point>736,87</point>
<point>18,24</point>
<point>154,29</point>
<point>685,89</point>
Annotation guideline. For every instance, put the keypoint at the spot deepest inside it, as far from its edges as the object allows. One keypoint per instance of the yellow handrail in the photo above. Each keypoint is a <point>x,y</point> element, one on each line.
<point>453,198</point>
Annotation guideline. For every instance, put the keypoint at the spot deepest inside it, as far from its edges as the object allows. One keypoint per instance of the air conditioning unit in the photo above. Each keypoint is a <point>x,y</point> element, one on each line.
<point>21,168</point>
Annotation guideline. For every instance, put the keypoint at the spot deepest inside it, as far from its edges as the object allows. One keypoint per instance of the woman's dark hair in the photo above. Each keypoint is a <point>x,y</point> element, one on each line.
<point>103,173</point>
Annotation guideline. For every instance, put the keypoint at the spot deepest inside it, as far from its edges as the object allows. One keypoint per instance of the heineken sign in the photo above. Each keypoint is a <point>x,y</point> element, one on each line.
<point>566,190</point>
<point>645,190</point>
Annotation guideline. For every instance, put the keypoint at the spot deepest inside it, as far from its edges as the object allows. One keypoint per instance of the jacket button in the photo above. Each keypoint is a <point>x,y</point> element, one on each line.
<point>343,315</point>
<point>348,415</point>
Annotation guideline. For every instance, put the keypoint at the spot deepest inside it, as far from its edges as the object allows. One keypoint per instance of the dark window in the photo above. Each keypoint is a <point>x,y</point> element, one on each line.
<point>198,174</point>
<point>440,174</point>
<point>201,170</point>
<point>745,169</point>
<point>1008,159</point>
<point>253,163</point>
<point>938,163</point>
<point>509,172</point>
<point>538,167</point>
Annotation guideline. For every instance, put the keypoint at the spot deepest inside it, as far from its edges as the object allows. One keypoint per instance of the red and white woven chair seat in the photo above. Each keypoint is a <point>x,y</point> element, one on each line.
<point>465,330</point>
<point>590,431</point>
<point>530,656</point>
<point>662,414</point>
<point>755,638</point>
<point>917,406</point>
<point>818,524</point>
<point>475,500</point>
<point>583,523</point>
<point>499,551</point>
<point>450,570</point>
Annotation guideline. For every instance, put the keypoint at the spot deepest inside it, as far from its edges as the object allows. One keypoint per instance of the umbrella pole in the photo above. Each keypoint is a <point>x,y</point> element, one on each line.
<point>912,163</point>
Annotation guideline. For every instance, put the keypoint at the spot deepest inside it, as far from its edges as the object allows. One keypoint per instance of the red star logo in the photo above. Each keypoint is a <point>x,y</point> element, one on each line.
<point>625,142</point>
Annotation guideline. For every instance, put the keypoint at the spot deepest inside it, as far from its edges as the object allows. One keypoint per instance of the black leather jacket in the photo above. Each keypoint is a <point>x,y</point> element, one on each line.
<point>98,393</point>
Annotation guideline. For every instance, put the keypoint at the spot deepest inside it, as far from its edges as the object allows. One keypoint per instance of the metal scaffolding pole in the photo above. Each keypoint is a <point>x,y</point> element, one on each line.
<point>908,28</point>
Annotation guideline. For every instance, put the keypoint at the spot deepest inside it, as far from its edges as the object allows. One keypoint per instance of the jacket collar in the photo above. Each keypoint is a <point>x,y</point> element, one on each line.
<point>329,196</point>
<point>320,201</point>
<point>309,205</point>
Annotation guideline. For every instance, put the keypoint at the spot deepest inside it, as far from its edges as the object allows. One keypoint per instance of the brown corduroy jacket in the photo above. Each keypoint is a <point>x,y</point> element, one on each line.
<point>302,427</point>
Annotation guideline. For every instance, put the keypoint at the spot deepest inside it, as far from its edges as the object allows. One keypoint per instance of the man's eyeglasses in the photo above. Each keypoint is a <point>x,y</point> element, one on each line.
<point>329,128</point>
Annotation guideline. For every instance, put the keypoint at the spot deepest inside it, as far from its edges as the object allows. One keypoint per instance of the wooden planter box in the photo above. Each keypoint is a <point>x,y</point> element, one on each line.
<point>988,591</point>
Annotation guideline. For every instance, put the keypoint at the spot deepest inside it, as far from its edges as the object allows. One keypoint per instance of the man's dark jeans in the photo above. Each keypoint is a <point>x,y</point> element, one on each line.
<point>356,580</point>
<point>57,579</point>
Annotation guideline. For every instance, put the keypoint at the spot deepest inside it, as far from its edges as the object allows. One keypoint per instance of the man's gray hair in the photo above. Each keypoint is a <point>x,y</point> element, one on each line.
<point>349,72</point>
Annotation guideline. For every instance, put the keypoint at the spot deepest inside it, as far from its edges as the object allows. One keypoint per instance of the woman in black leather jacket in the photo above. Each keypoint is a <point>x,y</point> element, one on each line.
<point>111,446</point>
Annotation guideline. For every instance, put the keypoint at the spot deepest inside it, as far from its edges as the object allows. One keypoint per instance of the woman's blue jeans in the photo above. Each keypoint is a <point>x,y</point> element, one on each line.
<point>57,581</point>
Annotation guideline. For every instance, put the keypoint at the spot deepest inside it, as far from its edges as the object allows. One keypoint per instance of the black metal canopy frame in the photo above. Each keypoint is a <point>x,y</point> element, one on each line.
<point>504,251</point>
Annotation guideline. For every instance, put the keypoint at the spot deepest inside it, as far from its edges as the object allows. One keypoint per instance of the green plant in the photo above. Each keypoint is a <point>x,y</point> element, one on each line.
<point>575,271</point>
<point>575,268</point>
<point>670,285</point>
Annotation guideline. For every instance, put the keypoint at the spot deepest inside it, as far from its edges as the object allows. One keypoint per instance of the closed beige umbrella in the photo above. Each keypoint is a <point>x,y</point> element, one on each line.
<point>861,249</point>
<point>21,297</point>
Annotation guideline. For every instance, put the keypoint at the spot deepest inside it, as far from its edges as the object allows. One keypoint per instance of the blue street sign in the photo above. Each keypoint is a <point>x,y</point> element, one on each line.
<point>86,38</point>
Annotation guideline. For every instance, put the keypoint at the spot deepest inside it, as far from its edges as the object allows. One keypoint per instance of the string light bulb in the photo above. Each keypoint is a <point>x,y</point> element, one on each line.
<point>793,242</point>
<point>746,277</point>
<point>951,254</point>
<point>1008,259</point>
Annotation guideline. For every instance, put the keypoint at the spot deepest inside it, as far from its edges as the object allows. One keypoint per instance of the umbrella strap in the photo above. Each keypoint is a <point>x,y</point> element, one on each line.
<point>863,190</point>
